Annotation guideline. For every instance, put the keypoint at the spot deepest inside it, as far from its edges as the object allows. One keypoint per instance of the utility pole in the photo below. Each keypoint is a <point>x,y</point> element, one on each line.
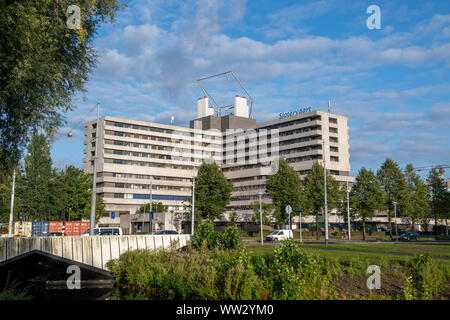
<point>94,177</point>
<point>395,217</point>
<point>348,214</point>
<point>12,204</point>
<point>193,203</point>
<point>260,217</point>
<point>325,191</point>
<point>150,213</point>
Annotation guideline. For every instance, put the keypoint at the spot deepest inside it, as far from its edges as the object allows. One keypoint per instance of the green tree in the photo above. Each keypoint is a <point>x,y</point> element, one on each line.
<point>35,189</point>
<point>437,194</point>
<point>266,209</point>
<point>314,192</point>
<point>393,184</point>
<point>368,195</point>
<point>43,65</point>
<point>285,187</point>
<point>76,190</point>
<point>212,191</point>
<point>418,196</point>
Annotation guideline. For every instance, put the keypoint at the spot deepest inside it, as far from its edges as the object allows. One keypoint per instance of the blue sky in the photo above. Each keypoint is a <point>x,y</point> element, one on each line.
<point>392,83</point>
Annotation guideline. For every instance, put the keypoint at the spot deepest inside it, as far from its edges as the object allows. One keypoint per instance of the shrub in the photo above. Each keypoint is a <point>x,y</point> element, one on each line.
<point>231,238</point>
<point>205,237</point>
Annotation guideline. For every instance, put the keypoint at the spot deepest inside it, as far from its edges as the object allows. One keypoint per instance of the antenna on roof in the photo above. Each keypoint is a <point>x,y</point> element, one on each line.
<point>329,105</point>
<point>172,118</point>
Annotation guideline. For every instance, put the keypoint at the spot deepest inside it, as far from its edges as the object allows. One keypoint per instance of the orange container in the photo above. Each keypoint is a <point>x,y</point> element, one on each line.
<point>55,226</point>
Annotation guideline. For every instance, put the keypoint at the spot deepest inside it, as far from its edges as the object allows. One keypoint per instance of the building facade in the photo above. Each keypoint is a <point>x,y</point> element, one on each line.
<point>138,159</point>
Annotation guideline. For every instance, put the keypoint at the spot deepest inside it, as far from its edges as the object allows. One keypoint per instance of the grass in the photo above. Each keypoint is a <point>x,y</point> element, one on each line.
<point>442,250</point>
<point>369,256</point>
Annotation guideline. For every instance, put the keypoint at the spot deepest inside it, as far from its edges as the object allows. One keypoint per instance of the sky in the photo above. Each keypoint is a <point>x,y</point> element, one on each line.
<point>392,83</point>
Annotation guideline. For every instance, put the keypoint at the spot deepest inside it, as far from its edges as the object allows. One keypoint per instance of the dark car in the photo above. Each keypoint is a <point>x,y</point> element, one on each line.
<point>54,234</point>
<point>160,232</point>
<point>409,235</point>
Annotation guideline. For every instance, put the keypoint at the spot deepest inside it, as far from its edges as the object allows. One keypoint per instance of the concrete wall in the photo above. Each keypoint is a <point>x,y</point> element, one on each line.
<point>92,250</point>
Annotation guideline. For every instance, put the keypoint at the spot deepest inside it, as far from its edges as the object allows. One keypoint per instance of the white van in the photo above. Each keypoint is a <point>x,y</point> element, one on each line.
<point>278,235</point>
<point>104,231</point>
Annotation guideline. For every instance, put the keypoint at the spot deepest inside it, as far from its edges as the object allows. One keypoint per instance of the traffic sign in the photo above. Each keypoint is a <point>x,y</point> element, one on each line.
<point>288,209</point>
<point>152,215</point>
<point>300,210</point>
<point>113,214</point>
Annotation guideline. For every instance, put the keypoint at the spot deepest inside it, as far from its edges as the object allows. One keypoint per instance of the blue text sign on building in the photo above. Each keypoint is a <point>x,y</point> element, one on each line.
<point>294,113</point>
<point>113,215</point>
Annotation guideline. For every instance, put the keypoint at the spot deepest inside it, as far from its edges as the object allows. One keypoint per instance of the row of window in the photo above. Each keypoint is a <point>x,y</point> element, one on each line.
<point>147,186</point>
<point>151,164</point>
<point>142,176</point>
<point>292,123</point>
<point>147,197</point>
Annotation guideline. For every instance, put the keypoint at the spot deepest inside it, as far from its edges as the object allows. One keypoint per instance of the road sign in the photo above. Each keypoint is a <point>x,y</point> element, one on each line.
<point>152,215</point>
<point>113,214</point>
<point>300,210</point>
<point>288,209</point>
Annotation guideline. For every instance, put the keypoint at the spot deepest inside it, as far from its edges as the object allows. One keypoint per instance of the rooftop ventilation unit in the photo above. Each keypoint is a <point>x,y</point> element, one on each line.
<point>242,106</point>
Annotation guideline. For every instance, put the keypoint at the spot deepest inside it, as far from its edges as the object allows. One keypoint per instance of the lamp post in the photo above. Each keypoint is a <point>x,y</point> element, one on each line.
<point>260,217</point>
<point>94,177</point>
<point>193,203</point>
<point>348,214</point>
<point>325,191</point>
<point>150,214</point>
<point>12,205</point>
<point>395,217</point>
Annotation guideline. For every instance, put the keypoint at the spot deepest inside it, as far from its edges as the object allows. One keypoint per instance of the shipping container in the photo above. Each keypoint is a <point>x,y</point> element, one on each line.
<point>55,226</point>
<point>75,228</point>
<point>39,228</point>
<point>26,228</point>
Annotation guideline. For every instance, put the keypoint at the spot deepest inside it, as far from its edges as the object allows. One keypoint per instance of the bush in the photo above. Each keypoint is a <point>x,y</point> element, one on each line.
<point>231,238</point>
<point>205,237</point>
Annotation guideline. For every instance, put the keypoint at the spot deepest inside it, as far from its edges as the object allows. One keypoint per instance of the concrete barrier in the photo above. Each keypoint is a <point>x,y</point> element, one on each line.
<point>92,250</point>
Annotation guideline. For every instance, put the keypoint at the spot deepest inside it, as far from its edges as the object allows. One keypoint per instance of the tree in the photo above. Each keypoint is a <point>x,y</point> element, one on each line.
<point>43,65</point>
<point>212,191</point>
<point>285,187</point>
<point>76,187</point>
<point>393,184</point>
<point>417,206</point>
<point>437,193</point>
<point>35,188</point>
<point>266,209</point>
<point>368,196</point>
<point>314,192</point>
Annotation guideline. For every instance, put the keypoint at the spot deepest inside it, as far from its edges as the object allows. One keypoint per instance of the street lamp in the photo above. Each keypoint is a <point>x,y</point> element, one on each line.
<point>94,177</point>
<point>193,202</point>
<point>11,210</point>
<point>395,217</point>
<point>325,191</point>
<point>348,213</point>
<point>260,217</point>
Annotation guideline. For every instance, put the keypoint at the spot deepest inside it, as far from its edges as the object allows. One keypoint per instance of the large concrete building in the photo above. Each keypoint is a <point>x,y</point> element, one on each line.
<point>139,158</point>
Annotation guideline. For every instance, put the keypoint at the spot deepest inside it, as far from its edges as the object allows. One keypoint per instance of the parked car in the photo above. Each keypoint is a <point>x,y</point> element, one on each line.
<point>382,229</point>
<point>409,235</point>
<point>278,235</point>
<point>104,231</point>
<point>54,234</point>
<point>159,232</point>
